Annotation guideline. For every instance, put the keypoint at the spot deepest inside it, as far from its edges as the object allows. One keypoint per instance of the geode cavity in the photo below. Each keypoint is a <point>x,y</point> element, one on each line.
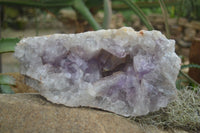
<point>123,71</point>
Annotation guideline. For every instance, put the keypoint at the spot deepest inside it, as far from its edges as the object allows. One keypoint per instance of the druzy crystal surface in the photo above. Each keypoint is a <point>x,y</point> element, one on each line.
<point>120,70</point>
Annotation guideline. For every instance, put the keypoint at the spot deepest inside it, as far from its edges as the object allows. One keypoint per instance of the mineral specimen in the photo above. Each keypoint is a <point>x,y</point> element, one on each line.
<point>120,70</point>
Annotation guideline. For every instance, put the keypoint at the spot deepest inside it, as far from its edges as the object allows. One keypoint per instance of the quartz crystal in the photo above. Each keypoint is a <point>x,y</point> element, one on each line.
<point>119,70</point>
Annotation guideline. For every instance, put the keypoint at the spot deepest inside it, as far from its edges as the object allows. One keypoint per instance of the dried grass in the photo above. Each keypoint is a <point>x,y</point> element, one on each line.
<point>183,113</point>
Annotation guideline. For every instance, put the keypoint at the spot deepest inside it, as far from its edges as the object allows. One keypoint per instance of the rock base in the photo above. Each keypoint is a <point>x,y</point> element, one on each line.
<point>32,113</point>
<point>29,113</point>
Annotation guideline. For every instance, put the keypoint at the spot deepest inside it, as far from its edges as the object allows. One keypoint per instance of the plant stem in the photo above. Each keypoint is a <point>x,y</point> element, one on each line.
<point>107,14</point>
<point>165,14</point>
<point>140,14</point>
<point>36,23</point>
<point>189,78</point>
<point>80,6</point>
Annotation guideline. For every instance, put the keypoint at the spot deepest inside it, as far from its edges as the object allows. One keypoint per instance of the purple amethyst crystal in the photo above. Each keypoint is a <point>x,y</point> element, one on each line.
<point>123,71</point>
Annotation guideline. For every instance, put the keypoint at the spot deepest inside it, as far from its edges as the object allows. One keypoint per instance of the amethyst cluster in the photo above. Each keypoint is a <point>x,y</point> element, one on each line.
<point>120,70</point>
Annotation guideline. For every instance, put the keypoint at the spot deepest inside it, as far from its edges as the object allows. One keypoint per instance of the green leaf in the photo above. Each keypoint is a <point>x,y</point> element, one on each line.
<point>80,6</point>
<point>7,80</point>
<point>117,5</point>
<point>190,66</point>
<point>140,14</point>
<point>38,3</point>
<point>8,44</point>
<point>6,89</point>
